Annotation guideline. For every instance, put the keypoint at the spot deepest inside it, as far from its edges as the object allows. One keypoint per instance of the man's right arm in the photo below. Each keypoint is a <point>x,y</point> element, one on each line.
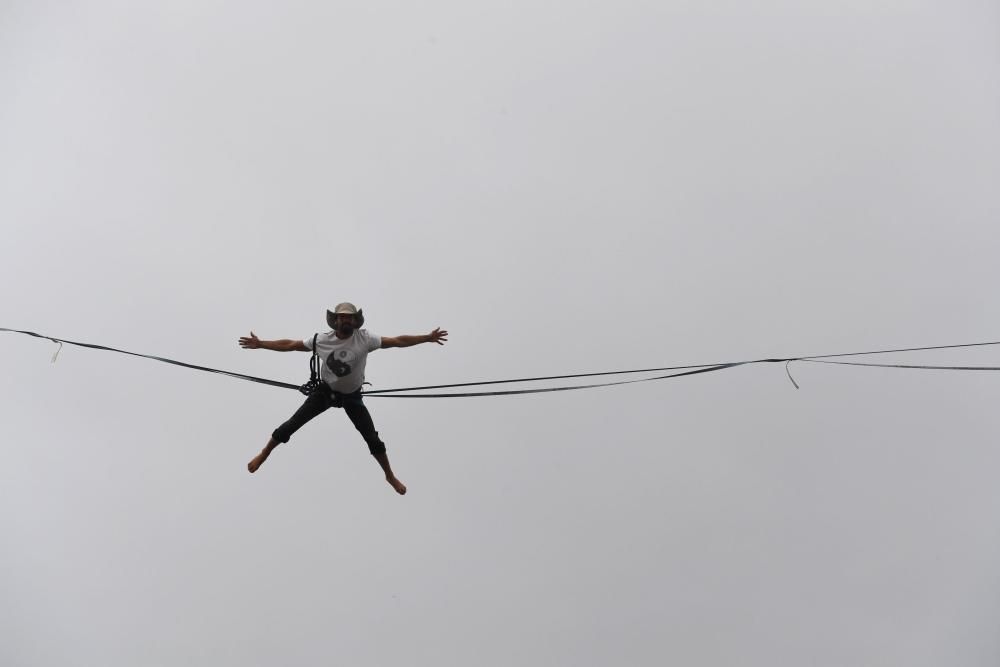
<point>283,345</point>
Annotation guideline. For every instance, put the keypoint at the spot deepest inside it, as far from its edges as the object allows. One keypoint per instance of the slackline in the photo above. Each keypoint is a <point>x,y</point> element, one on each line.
<point>686,370</point>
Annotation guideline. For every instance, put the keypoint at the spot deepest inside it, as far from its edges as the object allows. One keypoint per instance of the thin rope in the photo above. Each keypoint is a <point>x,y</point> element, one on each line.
<point>789,373</point>
<point>912,366</point>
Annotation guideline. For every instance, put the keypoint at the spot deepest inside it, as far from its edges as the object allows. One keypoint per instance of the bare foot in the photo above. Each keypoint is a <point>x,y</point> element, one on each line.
<point>396,484</point>
<point>256,461</point>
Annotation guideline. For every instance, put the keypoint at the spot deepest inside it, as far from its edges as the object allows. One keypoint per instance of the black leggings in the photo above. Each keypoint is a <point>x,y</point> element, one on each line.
<point>322,401</point>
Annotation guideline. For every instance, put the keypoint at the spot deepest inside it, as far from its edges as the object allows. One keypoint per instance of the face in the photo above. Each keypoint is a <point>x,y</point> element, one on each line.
<point>344,324</point>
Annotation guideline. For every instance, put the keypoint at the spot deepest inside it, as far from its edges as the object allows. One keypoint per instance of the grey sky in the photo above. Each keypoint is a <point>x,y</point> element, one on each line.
<point>565,188</point>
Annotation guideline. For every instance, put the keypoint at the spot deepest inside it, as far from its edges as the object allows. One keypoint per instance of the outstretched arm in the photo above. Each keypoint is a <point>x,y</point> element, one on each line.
<point>438,336</point>
<point>283,345</point>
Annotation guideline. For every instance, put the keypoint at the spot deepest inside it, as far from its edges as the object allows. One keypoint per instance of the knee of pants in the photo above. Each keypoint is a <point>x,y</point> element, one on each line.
<point>375,446</point>
<point>281,436</point>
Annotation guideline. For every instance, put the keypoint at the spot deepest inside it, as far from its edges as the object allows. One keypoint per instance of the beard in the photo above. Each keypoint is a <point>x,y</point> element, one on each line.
<point>345,329</point>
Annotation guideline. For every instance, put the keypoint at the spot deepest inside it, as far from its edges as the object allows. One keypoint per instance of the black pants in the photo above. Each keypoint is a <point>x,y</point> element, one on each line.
<point>322,401</point>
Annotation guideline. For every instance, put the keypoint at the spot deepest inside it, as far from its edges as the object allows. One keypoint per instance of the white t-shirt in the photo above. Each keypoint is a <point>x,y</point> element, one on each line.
<point>342,361</point>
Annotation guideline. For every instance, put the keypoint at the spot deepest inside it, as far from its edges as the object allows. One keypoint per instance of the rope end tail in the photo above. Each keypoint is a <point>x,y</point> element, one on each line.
<point>58,350</point>
<point>789,373</point>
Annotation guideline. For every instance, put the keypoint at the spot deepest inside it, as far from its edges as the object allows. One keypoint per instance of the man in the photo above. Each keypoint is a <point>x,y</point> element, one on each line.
<point>342,354</point>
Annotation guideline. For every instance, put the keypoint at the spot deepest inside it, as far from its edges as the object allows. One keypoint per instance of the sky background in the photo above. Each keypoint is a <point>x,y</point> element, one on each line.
<point>565,187</point>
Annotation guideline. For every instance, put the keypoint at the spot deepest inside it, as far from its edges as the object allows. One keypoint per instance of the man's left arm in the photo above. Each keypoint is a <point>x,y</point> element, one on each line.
<point>438,336</point>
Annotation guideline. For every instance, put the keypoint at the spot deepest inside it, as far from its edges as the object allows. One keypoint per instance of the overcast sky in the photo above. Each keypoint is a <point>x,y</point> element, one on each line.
<point>565,187</point>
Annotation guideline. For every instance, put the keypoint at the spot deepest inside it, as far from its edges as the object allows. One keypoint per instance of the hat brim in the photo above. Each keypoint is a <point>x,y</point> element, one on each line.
<point>359,319</point>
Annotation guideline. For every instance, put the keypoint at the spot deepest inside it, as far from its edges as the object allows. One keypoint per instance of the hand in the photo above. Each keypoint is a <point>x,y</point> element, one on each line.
<point>251,343</point>
<point>437,336</point>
